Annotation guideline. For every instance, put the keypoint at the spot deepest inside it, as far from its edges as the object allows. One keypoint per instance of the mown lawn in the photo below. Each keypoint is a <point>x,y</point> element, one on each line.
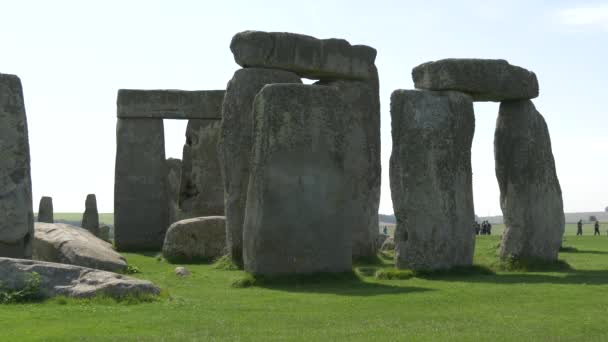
<point>566,305</point>
<point>107,218</point>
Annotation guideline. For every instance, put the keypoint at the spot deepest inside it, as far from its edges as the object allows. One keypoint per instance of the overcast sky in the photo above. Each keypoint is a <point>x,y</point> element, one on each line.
<point>73,56</point>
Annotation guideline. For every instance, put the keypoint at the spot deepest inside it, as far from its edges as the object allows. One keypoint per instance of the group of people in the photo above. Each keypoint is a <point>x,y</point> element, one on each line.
<point>579,228</point>
<point>485,228</point>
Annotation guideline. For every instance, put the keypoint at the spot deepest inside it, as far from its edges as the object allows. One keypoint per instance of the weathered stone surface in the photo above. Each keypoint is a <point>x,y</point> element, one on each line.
<point>200,238</point>
<point>530,194</point>
<point>72,245</point>
<point>174,176</point>
<point>380,240</point>
<point>235,146</point>
<point>71,281</point>
<point>201,189</point>
<point>182,272</point>
<point>45,210</point>
<point>17,222</point>
<point>326,59</point>
<point>430,177</point>
<point>388,244</point>
<point>362,161</point>
<point>90,218</point>
<point>296,217</point>
<point>483,79</point>
<point>170,104</point>
<point>141,213</point>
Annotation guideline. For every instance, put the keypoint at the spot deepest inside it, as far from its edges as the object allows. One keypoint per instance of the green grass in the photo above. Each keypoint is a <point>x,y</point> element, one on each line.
<point>482,303</point>
<point>107,218</point>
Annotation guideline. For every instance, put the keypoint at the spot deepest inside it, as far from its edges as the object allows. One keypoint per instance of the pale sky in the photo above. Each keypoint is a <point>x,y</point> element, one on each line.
<point>73,56</point>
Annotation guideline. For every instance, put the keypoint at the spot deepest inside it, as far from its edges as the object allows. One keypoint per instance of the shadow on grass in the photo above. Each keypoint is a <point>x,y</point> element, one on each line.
<point>342,284</point>
<point>595,277</point>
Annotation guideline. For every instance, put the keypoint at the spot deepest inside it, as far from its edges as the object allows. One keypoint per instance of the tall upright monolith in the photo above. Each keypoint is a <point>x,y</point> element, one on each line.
<point>17,222</point>
<point>45,210</point>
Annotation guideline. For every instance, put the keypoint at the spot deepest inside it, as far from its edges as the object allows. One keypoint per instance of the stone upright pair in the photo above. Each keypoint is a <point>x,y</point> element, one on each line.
<point>430,167</point>
<point>301,163</point>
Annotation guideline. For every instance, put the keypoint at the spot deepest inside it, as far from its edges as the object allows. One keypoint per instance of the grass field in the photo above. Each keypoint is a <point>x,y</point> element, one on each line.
<point>107,218</point>
<point>566,305</point>
<point>497,229</point>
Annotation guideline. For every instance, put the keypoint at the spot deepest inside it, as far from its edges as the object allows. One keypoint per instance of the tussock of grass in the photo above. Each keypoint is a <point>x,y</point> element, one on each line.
<point>249,280</point>
<point>366,271</point>
<point>225,263</point>
<point>104,299</point>
<point>393,274</point>
<point>457,271</point>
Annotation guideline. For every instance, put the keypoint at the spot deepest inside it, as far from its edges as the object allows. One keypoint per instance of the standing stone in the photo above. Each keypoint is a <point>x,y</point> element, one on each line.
<point>141,213</point>
<point>326,59</point>
<point>90,218</point>
<point>201,189</point>
<point>174,175</point>
<point>45,210</point>
<point>530,194</point>
<point>235,146</point>
<point>299,197</point>
<point>430,176</point>
<point>17,222</point>
<point>362,134</point>
<point>104,232</point>
<point>483,79</point>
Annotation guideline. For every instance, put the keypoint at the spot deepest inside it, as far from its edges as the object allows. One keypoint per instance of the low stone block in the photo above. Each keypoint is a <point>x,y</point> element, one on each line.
<point>196,239</point>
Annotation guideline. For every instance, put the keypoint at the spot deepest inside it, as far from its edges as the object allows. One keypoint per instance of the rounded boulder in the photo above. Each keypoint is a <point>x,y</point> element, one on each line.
<point>196,239</point>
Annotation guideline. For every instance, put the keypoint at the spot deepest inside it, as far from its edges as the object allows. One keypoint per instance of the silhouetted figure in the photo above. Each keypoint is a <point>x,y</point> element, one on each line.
<point>385,231</point>
<point>477,228</point>
<point>489,232</point>
<point>597,229</point>
<point>579,230</point>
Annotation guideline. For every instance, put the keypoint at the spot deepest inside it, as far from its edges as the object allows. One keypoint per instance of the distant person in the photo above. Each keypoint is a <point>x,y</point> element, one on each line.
<point>385,231</point>
<point>489,228</point>
<point>477,228</point>
<point>597,228</point>
<point>579,230</point>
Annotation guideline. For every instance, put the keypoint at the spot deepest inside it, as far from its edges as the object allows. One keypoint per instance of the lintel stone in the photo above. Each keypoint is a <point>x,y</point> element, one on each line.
<point>170,104</point>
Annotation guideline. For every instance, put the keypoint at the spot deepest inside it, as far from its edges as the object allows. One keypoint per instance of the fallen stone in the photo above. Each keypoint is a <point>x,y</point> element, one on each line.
<point>296,217</point>
<point>530,193</point>
<point>45,210</point>
<point>235,146</point>
<point>71,281</point>
<point>72,245</point>
<point>388,244</point>
<point>90,218</point>
<point>430,178</point>
<point>483,79</point>
<point>169,104</point>
<point>17,223</point>
<point>201,189</point>
<point>196,239</point>
<point>182,272</point>
<point>174,176</point>
<point>141,213</point>
<point>326,59</point>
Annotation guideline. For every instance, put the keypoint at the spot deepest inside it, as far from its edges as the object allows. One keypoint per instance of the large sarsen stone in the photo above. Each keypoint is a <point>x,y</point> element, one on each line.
<point>326,59</point>
<point>17,217</point>
<point>530,194</point>
<point>483,79</point>
<point>200,238</point>
<point>430,176</point>
<point>45,210</point>
<point>235,146</point>
<point>296,217</point>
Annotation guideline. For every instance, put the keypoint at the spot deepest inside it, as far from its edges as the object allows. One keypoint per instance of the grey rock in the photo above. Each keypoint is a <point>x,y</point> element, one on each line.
<point>530,193</point>
<point>200,238</point>
<point>141,213</point>
<point>483,79</point>
<point>170,104</point>
<point>380,240</point>
<point>296,217</point>
<point>201,188</point>
<point>326,59</point>
<point>72,281</point>
<point>45,210</point>
<point>182,272</point>
<point>58,242</point>
<point>388,244</point>
<point>362,161</point>
<point>17,223</point>
<point>104,232</point>
<point>174,176</point>
<point>430,178</point>
<point>90,218</point>
<point>235,146</point>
